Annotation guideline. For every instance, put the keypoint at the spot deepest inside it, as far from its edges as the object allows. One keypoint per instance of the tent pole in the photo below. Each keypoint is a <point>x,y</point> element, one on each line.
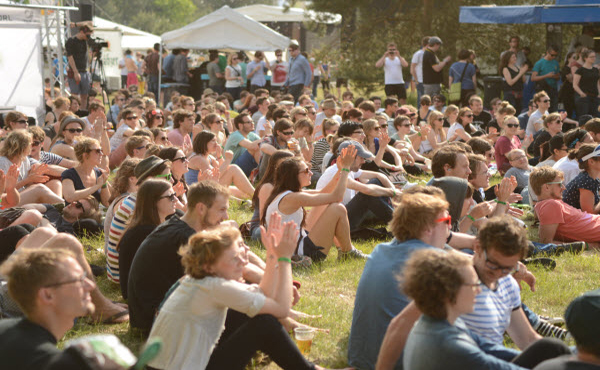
<point>159,73</point>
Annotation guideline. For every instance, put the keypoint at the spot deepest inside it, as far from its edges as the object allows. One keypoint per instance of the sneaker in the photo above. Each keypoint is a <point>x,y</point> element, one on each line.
<point>545,329</point>
<point>558,321</point>
<point>352,253</point>
<point>575,247</point>
<point>545,262</point>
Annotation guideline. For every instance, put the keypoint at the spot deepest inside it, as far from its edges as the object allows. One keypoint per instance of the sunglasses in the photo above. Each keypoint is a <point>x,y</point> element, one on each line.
<point>385,125</point>
<point>546,101</point>
<point>166,176</point>
<point>131,117</point>
<point>305,171</point>
<point>98,151</point>
<point>406,125</point>
<point>36,143</point>
<point>78,205</point>
<point>377,128</point>
<point>182,159</point>
<point>22,121</point>
<point>439,119</point>
<point>468,115</point>
<point>287,133</point>
<point>74,130</point>
<point>512,125</point>
<point>172,197</point>
<point>447,220</point>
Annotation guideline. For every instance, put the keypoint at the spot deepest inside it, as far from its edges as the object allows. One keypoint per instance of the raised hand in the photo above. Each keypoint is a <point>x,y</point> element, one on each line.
<point>218,152</point>
<point>228,155</point>
<point>179,189</point>
<point>36,174</point>
<point>346,158</point>
<point>12,176</point>
<point>102,178</point>
<point>384,139</point>
<point>272,235</point>
<point>504,189</point>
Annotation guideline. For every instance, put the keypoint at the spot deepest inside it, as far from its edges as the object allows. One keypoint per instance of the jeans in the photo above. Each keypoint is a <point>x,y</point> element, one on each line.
<point>153,85</point>
<point>587,105</point>
<point>246,162</point>
<point>431,89</point>
<point>296,91</point>
<point>420,91</point>
<point>357,208</point>
<point>315,85</point>
<point>235,92</point>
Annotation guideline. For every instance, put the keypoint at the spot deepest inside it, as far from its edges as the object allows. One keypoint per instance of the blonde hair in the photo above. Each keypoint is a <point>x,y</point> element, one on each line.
<point>84,145</point>
<point>16,144</point>
<point>204,249</point>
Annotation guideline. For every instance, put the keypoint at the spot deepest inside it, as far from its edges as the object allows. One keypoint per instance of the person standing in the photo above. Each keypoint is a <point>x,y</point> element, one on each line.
<point>546,73</point>
<point>392,64</point>
<point>416,67</point>
<point>80,80</point>
<point>216,77</point>
<point>513,79</point>
<point>585,83</point>
<point>432,67</point>
<point>279,70</point>
<point>256,71</point>
<point>180,68</point>
<point>233,76</point>
<point>300,74</point>
<point>465,73</point>
<point>514,47</point>
<point>152,61</point>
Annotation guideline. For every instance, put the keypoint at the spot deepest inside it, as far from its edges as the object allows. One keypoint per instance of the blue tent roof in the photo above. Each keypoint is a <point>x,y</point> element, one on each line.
<point>565,11</point>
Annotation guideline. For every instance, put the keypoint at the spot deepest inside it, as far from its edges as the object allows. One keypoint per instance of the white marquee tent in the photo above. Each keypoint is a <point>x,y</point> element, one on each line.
<point>272,13</point>
<point>225,29</point>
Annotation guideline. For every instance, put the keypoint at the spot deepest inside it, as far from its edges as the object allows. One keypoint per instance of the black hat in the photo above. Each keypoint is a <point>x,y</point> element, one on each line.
<point>146,166</point>
<point>581,318</point>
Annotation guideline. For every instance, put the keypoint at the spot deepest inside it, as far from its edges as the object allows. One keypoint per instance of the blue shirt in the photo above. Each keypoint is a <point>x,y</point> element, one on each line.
<point>300,72</point>
<point>258,78</point>
<point>168,65</point>
<point>543,67</point>
<point>456,70</point>
<point>435,344</point>
<point>378,300</point>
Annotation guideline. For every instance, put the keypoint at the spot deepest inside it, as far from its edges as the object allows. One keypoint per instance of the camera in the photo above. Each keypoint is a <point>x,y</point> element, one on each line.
<point>96,43</point>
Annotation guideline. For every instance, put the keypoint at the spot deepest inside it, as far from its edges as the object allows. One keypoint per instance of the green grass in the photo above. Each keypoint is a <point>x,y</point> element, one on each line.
<point>329,289</point>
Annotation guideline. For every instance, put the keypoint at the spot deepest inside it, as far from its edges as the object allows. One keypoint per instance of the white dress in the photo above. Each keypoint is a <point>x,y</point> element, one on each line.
<point>192,319</point>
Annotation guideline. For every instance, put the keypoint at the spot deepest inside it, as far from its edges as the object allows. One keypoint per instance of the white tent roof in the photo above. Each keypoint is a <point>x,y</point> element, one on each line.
<point>271,13</point>
<point>225,29</point>
<point>132,38</point>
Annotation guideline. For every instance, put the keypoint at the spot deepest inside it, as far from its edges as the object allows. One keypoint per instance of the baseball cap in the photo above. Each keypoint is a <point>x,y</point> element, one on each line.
<point>359,149</point>
<point>581,321</point>
<point>434,40</point>
<point>594,154</point>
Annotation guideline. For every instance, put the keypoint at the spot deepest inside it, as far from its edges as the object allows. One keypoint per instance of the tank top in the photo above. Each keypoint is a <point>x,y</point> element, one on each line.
<point>297,217</point>
<point>517,86</point>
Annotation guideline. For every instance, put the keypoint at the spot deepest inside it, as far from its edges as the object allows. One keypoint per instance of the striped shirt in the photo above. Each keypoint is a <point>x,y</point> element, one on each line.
<point>491,315</point>
<point>321,148</point>
<point>117,229</point>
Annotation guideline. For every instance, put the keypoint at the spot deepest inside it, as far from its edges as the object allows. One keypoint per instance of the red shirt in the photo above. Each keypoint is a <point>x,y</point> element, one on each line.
<point>573,223</point>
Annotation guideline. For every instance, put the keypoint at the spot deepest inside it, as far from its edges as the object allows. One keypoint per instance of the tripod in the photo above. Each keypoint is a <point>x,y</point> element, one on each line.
<point>97,69</point>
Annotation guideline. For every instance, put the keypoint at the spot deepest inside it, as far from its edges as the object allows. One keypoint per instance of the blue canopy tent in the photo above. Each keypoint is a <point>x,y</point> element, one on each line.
<point>565,11</point>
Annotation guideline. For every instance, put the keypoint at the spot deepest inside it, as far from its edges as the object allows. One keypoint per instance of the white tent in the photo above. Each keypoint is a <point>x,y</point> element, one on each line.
<point>225,29</point>
<point>271,13</point>
<point>133,39</point>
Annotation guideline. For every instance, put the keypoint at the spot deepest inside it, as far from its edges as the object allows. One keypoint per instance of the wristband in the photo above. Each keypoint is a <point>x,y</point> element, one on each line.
<point>104,185</point>
<point>419,133</point>
<point>471,218</point>
<point>499,201</point>
<point>346,169</point>
<point>221,157</point>
<point>284,259</point>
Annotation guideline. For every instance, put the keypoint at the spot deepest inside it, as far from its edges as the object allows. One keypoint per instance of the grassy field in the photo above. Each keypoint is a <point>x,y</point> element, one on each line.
<point>329,290</point>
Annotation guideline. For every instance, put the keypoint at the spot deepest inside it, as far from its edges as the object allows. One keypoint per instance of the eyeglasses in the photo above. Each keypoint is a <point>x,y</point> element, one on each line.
<point>158,117</point>
<point>172,197</point>
<point>131,117</point>
<point>36,143</point>
<point>182,159</point>
<point>166,176</point>
<point>305,171</point>
<point>248,122</point>
<point>512,125</point>
<point>358,132</point>
<point>80,280</point>
<point>98,151</point>
<point>22,121</point>
<point>287,133</point>
<point>79,205</point>
<point>74,130</point>
<point>447,220</point>
<point>556,183</point>
<point>553,55</point>
<point>474,285</point>
<point>494,266</point>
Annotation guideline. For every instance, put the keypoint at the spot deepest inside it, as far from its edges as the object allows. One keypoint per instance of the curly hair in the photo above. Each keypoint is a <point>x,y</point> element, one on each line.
<point>414,214</point>
<point>204,249</point>
<point>84,145</point>
<point>432,278</point>
<point>504,235</point>
<point>16,144</point>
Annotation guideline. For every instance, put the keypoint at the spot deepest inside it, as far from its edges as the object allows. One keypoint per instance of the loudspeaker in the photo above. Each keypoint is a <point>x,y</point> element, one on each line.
<point>85,12</point>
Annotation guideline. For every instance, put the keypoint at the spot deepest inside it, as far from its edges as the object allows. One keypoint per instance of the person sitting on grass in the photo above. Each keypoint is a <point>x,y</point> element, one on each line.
<point>214,263</point>
<point>580,318</point>
<point>289,199</point>
<point>582,191</point>
<point>558,220</point>
<point>208,155</point>
<point>520,170</point>
<point>70,127</point>
<point>569,165</point>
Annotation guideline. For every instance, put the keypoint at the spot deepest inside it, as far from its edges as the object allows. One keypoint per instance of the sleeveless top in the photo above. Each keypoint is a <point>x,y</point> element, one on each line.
<point>297,217</point>
<point>517,86</point>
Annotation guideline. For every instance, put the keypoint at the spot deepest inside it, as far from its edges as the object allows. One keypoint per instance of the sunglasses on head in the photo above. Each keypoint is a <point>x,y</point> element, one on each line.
<point>74,130</point>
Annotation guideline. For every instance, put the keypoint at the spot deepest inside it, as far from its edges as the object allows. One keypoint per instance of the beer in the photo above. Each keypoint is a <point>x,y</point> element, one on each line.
<point>304,346</point>
<point>304,337</point>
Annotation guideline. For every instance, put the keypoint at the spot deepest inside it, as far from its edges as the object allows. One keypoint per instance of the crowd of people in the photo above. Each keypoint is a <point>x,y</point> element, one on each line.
<point>156,183</point>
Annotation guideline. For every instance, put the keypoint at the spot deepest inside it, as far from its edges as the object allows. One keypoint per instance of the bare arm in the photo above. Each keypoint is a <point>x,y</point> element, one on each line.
<point>370,189</point>
<point>395,337</point>
<point>547,233</point>
<point>381,62</point>
<point>520,330</point>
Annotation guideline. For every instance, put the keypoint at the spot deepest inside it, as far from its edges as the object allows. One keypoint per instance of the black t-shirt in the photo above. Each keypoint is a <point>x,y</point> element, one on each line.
<point>430,76</point>
<point>482,120</point>
<point>72,175</point>
<point>25,345</point>
<point>589,80</point>
<point>568,362</point>
<point>155,268</point>
<point>128,246</point>
<point>78,50</point>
